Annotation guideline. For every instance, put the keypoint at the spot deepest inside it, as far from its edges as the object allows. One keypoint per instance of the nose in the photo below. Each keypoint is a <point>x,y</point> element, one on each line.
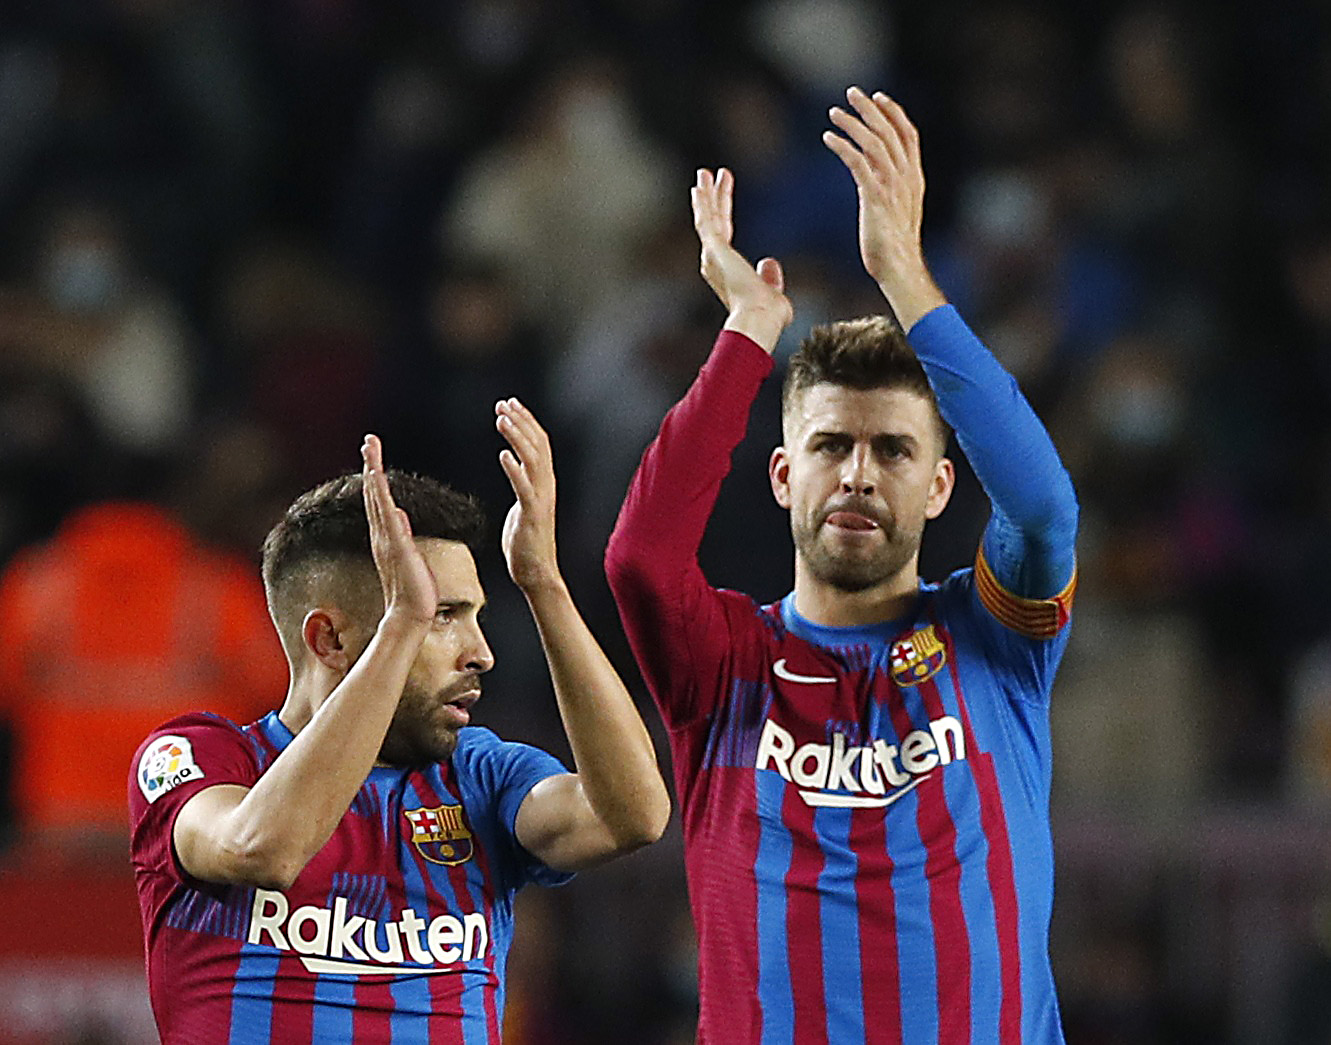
<point>856,472</point>
<point>475,654</point>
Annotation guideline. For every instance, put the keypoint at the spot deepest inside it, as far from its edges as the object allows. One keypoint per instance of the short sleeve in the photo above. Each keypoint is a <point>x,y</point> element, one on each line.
<point>177,761</point>
<point>508,771</point>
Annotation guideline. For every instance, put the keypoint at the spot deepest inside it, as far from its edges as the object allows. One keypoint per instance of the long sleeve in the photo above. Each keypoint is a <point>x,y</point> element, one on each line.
<point>676,623</point>
<point>1029,545</point>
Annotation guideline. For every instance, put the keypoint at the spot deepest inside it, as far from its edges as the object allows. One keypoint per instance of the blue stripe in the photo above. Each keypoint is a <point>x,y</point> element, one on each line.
<point>977,905</point>
<point>775,847</point>
<point>252,995</point>
<point>839,914</point>
<point>334,1007</point>
<point>918,969</point>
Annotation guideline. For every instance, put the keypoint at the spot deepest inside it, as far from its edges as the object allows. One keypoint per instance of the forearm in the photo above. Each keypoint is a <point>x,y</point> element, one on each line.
<point>1007,446</point>
<point>293,809</point>
<point>612,750</point>
<point>674,490</point>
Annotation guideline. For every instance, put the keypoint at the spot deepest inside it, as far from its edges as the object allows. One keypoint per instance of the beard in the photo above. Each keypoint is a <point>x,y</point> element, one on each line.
<point>851,569</point>
<point>418,735</point>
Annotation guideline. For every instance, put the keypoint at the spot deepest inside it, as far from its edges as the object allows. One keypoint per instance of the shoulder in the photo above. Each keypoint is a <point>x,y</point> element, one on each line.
<point>184,736</point>
<point>490,768</point>
<point>481,753</point>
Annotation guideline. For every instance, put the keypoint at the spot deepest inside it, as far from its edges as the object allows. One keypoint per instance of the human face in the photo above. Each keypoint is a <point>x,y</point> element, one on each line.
<point>861,472</point>
<point>445,679</point>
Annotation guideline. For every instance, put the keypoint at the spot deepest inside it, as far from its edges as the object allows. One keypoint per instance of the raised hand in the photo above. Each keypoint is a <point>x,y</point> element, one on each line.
<point>528,539</point>
<point>881,149</point>
<point>409,587</point>
<point>754,297</point>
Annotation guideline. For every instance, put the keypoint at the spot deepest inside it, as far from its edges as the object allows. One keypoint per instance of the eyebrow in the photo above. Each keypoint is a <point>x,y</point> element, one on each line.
<point>461,604</point>
<point>877,438</point>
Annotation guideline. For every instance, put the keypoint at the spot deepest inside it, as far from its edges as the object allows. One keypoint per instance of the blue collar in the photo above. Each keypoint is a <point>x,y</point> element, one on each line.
<point>861,635</point>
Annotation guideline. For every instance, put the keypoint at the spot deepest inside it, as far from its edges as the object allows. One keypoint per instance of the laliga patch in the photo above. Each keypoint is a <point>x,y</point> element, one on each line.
<point>168,762</point>
<point>917,657</point>
<point>440,834</point>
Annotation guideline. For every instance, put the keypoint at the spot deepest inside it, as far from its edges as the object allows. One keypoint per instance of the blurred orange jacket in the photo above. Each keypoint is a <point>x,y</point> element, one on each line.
<point>122,620</point>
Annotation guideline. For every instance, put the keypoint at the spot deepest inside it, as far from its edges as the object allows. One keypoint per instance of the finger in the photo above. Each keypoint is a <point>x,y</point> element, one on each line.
<point>517,477</point>
<point>851,157</point>
<point>886,153</point>
<point>521,441</point>
<point>373,485</point>
<point>521,412</point>
<point>873,115</point>
<point>539,459</point>
<point>906,130</point>
<point>769,270</point>
<point>725,187</point>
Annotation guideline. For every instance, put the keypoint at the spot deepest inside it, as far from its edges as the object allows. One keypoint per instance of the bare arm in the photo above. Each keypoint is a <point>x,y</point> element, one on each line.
<point>266,834</point>
<point>616,801</point>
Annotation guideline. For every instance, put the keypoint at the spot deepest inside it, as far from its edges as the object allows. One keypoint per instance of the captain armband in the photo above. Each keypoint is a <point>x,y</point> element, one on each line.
<point>1034,618</point>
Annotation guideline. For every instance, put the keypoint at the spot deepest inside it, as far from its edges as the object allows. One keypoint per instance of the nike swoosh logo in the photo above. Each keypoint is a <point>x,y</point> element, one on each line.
<point>782,672</point>
<point>834,801</point>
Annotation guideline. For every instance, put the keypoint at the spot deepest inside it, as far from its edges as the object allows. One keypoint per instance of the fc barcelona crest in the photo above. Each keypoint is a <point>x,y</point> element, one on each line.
<point>440,834</point>
<point>917,657</point>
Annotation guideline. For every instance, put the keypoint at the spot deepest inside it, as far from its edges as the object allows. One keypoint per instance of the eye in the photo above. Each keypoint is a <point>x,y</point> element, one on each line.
<point>445,614</point>
<point>831,446</point>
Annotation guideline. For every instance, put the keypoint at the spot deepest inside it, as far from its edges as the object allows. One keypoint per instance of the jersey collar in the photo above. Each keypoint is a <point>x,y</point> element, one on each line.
<point>823,635</point>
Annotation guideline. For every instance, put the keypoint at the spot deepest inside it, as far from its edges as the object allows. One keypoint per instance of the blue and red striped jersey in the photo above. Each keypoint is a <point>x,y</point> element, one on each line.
<point>865,810</point>
<point>398,929</point>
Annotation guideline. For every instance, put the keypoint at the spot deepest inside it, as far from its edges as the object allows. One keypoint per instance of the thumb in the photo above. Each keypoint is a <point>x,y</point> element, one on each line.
<point>769,271</point>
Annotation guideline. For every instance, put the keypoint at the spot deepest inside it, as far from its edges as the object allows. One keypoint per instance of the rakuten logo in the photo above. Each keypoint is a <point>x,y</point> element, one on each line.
<point>867,772</point>
<point>324,937</point>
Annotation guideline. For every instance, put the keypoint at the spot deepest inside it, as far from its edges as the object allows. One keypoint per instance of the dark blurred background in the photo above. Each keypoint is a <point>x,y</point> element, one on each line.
<point>236,234</point>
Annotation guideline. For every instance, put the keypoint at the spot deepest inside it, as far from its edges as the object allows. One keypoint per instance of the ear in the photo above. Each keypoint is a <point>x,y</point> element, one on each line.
<point>778,472</point>
<point>940,488</point>
<point>324,632</point>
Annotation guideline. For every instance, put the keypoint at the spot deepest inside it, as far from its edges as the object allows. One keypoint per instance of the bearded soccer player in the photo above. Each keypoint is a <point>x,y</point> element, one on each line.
<point>343,870</point>
<point>864,765</point>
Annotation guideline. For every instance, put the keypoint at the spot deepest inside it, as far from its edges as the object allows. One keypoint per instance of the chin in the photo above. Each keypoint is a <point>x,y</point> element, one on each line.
<point>418,752</point>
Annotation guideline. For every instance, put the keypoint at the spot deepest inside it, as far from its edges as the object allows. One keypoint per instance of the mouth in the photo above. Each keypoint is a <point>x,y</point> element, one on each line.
<point>457,712</point>
<point>852,522</point>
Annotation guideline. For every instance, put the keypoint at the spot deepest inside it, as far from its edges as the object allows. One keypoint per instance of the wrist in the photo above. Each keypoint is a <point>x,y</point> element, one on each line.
<point>400,625</point>
<point>763,326</point>
<point>543,585</point>
<point>912,293</point>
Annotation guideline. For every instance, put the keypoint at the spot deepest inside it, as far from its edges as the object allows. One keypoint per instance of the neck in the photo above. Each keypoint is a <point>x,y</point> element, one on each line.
<point>305,695</point>
<point>831,607</point>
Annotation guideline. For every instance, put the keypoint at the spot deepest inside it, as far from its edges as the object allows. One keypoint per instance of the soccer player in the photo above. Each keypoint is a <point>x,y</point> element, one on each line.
<point>344,869</point>
<point>863,767</point>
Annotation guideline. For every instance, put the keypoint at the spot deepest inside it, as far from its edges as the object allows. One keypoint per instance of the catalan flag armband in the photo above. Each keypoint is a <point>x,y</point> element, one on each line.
<point>1034,618</point>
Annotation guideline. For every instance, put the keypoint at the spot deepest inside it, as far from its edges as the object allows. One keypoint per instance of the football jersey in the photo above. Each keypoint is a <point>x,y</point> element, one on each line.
<point>865,810</point>
<point>396,931</point>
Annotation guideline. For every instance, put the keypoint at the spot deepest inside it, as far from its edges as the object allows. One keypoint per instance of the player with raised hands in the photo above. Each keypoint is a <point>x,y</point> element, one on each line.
<point>863,766</point>
<point>344,868</point>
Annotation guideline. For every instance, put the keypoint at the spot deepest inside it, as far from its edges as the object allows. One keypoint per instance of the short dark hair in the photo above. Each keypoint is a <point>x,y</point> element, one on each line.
<point>864,353</point>
<point>329,522</point>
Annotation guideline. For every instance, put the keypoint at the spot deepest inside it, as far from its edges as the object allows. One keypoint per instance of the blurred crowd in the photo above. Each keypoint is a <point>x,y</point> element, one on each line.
<point>240,233</point>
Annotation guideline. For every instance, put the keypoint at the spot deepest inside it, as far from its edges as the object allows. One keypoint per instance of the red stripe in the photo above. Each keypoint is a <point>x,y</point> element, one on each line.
<point>952,951</point>
<point>723,833</point>
<point>293,1001</point>
<point>804,933</point>
<point>1002,879</point>
<point>372,1020</point>
<point>876,903</point>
